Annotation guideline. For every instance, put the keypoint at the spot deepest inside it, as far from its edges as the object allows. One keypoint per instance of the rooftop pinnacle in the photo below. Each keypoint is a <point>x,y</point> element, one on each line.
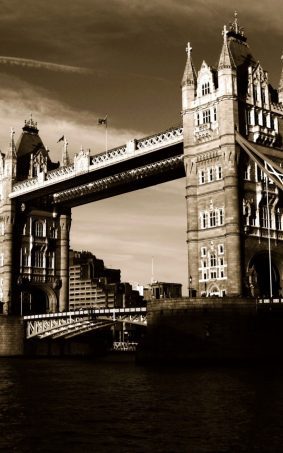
<point>189,77</point>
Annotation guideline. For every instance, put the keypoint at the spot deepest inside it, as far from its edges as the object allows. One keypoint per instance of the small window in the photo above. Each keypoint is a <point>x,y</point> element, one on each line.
<point>220,249</point>
<point>203,251</point>
<point>220,216</point>
<point>218,171</point>
<point>214,114</point>
<point>206,116</point>
<point>202,177</point>
<point>210,174</point>
<point>205,89</point>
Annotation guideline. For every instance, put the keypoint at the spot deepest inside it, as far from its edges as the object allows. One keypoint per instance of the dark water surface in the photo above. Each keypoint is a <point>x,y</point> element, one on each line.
<point>112,405</point>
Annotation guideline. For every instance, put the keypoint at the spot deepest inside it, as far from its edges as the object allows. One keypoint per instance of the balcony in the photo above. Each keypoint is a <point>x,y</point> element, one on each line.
<point>203,132</point>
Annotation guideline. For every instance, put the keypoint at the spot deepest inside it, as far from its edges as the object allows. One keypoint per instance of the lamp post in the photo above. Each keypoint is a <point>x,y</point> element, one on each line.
<point>190,286</point>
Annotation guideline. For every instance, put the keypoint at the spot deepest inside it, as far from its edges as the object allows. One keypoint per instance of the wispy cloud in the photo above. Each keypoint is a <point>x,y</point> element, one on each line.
<point>26,62</point>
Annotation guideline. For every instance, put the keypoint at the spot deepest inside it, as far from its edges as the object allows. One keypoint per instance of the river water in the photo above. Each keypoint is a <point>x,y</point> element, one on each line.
<point>113,405</point>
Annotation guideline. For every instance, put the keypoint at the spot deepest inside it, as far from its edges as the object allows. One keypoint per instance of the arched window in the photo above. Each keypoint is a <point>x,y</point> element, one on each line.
<point>38,229</point>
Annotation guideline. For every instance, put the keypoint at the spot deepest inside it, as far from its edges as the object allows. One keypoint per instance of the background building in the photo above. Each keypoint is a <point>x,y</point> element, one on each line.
<point>94,285</point>
<point>162,290</point>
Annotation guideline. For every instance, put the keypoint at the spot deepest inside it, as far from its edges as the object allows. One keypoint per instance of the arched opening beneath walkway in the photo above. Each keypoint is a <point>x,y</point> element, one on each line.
<point>38,300</point>
<point>259,276</point>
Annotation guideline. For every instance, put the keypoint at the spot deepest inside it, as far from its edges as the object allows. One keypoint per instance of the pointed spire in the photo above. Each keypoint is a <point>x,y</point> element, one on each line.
<point>12,152</point>
<point>280,87</point>
<point>189,77</point>
<point>65,154</point>
<point>226,59</point>
<point>30,126</point>
<point>235,30</point>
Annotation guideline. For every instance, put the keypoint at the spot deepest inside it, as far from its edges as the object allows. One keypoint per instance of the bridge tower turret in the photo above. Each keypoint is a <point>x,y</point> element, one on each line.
<point>8,175</point>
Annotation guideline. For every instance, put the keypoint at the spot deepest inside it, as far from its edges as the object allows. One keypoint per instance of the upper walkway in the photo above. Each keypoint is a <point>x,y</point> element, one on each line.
<point>138,158</point>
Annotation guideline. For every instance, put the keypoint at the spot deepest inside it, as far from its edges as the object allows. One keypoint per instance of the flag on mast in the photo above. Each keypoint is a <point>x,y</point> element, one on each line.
<point>102,121</point>
<point>61,139</point>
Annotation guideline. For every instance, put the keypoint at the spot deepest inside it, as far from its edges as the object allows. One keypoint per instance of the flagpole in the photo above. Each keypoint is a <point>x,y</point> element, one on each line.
<point>106,136</point>
<point>268,230</point>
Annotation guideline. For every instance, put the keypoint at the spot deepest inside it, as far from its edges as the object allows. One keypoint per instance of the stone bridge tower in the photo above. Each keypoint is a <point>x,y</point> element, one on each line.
<point>234,213</point>
<point>34,237</point>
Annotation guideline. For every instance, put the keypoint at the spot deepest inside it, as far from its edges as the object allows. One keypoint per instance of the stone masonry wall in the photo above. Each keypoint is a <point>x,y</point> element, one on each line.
<point>11,336</point>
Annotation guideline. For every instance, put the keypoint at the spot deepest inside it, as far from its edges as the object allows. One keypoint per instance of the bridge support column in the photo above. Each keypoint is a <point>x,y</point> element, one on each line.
<point>6,273</point>
<point>65,224</point>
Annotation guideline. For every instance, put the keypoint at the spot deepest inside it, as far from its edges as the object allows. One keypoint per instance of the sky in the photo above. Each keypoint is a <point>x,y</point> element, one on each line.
<point>70,63</point>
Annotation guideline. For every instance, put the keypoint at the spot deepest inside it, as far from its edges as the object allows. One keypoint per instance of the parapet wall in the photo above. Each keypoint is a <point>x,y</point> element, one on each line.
<point>11,336</point>
<point>212,330</point>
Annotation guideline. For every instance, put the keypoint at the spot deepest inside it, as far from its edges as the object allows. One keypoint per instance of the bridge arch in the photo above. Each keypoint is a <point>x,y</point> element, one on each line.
<point>259,275</point>
<point>42,299</point>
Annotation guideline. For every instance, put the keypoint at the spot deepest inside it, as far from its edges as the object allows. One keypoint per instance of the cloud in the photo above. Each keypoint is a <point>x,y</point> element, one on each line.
<point>26,62</point>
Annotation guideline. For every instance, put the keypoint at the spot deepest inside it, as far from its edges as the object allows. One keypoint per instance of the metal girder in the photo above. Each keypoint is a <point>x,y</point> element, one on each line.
<point>70,325</point>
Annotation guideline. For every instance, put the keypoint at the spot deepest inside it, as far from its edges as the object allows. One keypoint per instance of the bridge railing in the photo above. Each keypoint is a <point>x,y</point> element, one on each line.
<point>88,312</point>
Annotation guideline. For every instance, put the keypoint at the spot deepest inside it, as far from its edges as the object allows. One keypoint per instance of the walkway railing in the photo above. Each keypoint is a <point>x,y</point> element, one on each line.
<point>84,163</point>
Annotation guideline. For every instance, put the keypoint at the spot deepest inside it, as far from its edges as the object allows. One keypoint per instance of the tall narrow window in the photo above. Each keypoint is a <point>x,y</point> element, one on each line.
<point>38,230</point>
<point>255,94</point>
<point>198,119</point>
<point>212,218</point>
<point>219,172</point>
<point>263,95</point>
<point>214,114</point>
<point>212,260</point>
<point>210,174</point>
<point>220,216</point>
<point>202,177</point>
<point>204,220</point>
<point>38,258</point>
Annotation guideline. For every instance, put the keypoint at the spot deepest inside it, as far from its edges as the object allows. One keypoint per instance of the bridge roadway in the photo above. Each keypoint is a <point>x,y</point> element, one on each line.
<point>138,164</point>
<point>72,323</point>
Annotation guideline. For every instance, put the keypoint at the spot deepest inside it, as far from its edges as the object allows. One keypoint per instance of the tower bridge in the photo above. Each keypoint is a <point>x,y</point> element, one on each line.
<point>229,149</point>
